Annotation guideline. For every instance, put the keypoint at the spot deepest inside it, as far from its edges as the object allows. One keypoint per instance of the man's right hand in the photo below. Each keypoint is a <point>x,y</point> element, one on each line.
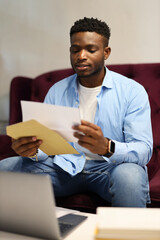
<point>26,146</point>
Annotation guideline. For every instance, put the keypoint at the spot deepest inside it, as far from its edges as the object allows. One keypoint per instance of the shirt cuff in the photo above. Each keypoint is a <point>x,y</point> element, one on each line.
<point>118,156</point>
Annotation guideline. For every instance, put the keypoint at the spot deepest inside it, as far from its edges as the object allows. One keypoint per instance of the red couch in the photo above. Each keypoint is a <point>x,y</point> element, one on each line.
<point>24,88</point>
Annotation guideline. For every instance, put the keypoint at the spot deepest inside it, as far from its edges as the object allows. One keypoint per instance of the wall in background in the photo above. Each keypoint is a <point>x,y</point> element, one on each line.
<point>34,35</point>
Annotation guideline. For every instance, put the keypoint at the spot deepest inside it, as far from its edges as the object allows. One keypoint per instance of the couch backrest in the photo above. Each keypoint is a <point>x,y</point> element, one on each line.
<point>42,83</point>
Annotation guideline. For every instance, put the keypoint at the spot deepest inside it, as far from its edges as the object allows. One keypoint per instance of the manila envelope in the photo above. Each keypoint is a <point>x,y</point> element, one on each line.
<point>53,142</point>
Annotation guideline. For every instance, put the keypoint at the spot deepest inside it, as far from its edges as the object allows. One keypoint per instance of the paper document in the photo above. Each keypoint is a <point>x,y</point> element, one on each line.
<point>53,143</point>
<point>58,118</point>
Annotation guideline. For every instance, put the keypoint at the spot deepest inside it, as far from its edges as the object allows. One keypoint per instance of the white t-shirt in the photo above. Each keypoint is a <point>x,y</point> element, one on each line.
<point>87,107</point>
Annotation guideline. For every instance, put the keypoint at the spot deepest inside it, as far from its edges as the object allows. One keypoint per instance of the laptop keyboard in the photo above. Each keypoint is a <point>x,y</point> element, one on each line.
<point>68,222</point>
<point>65,228</point>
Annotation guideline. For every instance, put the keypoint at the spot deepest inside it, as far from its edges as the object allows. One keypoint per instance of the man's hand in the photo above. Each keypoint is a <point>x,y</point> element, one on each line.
<point>26,146</point>
<point>91,137</point>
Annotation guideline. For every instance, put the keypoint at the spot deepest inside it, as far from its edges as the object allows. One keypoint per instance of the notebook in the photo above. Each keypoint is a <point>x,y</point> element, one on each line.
<point>27,206</point>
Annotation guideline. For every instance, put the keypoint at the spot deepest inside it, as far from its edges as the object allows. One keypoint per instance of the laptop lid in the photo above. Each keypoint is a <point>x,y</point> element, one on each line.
<point>27,205</point>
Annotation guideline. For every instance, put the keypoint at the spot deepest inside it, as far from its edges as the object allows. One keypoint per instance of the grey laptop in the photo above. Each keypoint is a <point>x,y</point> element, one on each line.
<point>27,207</point>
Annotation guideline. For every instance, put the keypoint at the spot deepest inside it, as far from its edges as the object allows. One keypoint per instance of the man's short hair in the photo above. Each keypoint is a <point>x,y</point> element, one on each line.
<point>91,25</point>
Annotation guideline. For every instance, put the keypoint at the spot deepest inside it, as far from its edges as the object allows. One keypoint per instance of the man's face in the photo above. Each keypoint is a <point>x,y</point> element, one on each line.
<point>87,53</point>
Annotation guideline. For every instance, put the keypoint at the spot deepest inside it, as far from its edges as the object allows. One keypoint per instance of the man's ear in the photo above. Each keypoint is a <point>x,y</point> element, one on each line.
<point>107,52</point>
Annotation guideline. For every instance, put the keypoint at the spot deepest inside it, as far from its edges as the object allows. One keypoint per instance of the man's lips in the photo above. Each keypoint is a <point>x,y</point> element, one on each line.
<point>81,66</point>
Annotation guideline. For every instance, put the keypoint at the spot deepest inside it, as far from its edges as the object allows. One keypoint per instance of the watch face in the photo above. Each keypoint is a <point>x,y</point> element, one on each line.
<point>112,147</point>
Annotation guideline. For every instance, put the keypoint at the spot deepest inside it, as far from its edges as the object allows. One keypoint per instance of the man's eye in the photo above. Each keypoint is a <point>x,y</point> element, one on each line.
<point>92,51</point>
<point>74,50</point>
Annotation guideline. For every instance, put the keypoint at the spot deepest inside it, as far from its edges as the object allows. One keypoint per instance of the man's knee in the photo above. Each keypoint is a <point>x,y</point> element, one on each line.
<point>11,164</point>
<point>129,175</point>
<point>129,186</point>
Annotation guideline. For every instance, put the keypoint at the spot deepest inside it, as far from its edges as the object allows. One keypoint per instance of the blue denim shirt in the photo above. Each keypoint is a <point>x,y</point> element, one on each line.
<point>123,113</point>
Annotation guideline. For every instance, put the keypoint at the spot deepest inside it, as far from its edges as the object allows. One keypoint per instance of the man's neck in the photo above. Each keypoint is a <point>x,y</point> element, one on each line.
<point>92,81</point>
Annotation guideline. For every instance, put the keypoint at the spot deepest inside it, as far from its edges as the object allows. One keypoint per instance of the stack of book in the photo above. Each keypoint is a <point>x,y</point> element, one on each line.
<point>127,223</point>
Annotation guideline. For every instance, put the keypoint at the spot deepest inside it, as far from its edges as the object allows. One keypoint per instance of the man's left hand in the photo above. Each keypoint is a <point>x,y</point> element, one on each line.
<point>91,137</point>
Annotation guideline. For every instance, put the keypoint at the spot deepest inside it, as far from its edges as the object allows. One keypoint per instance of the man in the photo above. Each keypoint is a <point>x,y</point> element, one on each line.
<point>114,137</point>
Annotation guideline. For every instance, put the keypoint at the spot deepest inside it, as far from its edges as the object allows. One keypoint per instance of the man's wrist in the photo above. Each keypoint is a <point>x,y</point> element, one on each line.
<point>110,149</point>
<point>35,156</point>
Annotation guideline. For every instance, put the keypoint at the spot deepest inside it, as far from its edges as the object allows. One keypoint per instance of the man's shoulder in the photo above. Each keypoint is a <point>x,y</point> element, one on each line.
<point>125,81</point>
<point>61,88</point>
<point>66,81</point>
<point>63,84</point>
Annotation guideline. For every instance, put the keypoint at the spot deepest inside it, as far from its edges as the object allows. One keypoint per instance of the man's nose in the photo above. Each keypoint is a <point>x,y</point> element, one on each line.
<point>82,55</point>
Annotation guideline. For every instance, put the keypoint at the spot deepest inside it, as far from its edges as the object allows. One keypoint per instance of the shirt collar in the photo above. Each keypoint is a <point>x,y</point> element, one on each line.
<point>74,83</point>
<point>107,81</point>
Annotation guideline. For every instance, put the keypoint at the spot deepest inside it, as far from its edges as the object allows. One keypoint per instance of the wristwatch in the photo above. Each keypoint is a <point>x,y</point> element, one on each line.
<point>111,149</point>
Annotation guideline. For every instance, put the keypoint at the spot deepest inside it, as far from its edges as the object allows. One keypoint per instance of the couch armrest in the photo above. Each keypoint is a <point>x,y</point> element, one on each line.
<point>20,89</point>
<point>5,147</point>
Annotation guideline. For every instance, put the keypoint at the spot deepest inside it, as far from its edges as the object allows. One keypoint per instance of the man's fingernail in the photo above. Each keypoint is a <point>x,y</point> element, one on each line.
<point>34,138</point>
<point>75,126</point>
<point>40,142</point>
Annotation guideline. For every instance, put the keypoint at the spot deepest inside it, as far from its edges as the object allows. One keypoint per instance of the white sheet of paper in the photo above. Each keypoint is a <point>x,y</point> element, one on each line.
<point>58,118</point>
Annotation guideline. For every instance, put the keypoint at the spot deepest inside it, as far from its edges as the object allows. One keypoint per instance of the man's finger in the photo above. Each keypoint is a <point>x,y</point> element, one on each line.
<point>26,146</point>
<point>84,138</point>
<point>89,131</point>
<point>24,140</point>
<point>28,152</point>
<point>89,124</point>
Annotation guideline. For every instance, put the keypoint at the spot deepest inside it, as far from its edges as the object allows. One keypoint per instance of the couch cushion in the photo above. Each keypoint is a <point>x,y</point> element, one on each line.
<point>85,202</point>
<point>5,147</point>
<point>155,187</point>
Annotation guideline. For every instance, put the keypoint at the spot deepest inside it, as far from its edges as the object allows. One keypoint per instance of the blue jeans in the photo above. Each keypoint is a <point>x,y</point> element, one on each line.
<point>124,185</point>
